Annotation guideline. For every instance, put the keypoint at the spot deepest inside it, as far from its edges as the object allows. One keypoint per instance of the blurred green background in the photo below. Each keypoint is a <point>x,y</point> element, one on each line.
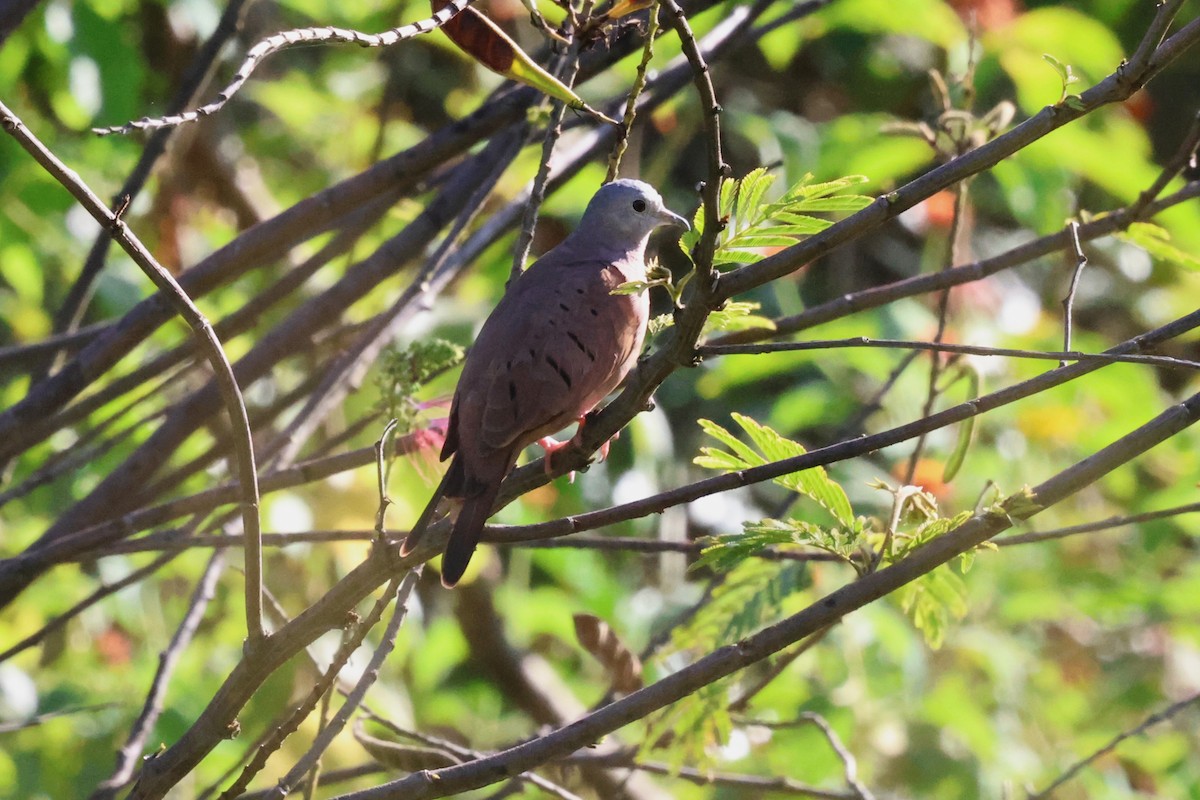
<point>1060,646</point>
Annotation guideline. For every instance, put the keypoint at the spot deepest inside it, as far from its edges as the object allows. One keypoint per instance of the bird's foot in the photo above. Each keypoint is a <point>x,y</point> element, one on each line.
<point>552,446</point>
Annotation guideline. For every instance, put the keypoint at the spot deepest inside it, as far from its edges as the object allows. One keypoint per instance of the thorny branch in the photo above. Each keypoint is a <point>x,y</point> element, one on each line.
<point>282,41</point>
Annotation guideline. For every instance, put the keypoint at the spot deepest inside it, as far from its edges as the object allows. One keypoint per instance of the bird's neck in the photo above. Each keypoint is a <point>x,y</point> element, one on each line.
<point>599,249</point>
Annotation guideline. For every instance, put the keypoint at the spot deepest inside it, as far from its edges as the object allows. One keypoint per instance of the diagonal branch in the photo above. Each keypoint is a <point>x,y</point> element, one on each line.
<point>1117,87</point>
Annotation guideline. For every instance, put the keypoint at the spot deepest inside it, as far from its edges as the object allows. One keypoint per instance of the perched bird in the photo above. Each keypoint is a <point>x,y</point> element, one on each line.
<point>556,345</point>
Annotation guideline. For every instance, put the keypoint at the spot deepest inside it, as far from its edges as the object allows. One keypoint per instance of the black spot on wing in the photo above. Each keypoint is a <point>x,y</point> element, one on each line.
<point>562,373</point>
<point>583,347</point>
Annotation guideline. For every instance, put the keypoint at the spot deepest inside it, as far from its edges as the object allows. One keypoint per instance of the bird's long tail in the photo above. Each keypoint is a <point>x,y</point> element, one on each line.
<point>426,518</point>
<point>467,529</point>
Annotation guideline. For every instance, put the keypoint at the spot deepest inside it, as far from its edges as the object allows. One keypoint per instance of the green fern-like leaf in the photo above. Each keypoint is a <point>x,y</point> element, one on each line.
<point>724,552</point>
<point>1157,242</point>
<point>402,371</point>
<point>686,732</point>
<point>752,225</point>
<point>931,602</point>
<point>813,483</point>
<point>750,595</point>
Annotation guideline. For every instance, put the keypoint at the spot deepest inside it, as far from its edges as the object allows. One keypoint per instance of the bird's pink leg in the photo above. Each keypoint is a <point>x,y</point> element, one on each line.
<point>552,446</point>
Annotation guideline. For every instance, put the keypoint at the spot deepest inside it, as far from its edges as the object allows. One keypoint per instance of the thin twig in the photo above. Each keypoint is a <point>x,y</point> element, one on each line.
<point>282,41</point>
<point>1062,357</point>
<point>957,228</point>
<point>205,337</point>
<point>1034,537</point>
<point>31,356</point>
<point>327,778</point>
<point>849,764</point>
<point>91,446</point>
<point>566,74</point>
<point>129,756</point>
<point>456,753</point>
<point>1179,162</point>
<point>635,91</point>
<point>42,719</point>
<point>355,697</point>
<point>313,780</point>
<point>197,76</point>
<point>1068,302</point>
<point>1151,41</point>
<point>381,476</point>
<point>754,784</point>
<point>1149,722</point>
<point>718,170</point>
<point>776,669</point>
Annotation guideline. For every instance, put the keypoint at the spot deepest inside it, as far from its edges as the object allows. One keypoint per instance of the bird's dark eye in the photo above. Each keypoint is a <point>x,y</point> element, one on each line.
<point>639,205</point>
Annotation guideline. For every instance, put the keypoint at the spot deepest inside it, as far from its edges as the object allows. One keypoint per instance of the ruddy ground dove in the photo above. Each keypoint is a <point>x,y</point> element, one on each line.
<point>556,345</point>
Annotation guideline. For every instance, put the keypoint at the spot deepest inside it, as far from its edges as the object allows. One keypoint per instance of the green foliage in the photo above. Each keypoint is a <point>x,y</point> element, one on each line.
<point>1156,241</point>
<point>970,378</point>
<point>736,315</point>
<point>1065,74</point>
<point>813,483</point>
<point>750,596</point>
<point>689,731</point>
<point>753,226</point>
<point>724,551</point>
<point>404,370</point>
<point>1046,652</point>
<point>930,601</point>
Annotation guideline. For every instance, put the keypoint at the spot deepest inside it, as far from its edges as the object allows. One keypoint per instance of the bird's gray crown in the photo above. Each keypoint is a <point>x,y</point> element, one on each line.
<point>624,212</point>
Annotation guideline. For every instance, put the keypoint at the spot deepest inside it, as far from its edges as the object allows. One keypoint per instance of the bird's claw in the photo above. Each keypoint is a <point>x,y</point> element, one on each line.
<point>552,446</point>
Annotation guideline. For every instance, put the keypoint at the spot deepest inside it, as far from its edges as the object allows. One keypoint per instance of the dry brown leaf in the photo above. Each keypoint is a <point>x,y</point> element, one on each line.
<point>599,639</point>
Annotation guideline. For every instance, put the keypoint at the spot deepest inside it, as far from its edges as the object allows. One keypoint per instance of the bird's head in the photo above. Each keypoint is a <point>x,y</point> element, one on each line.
<point>624,212</point>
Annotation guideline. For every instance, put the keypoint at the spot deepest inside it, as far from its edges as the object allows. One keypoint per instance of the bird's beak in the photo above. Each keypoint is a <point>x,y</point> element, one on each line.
<point>670,218</point>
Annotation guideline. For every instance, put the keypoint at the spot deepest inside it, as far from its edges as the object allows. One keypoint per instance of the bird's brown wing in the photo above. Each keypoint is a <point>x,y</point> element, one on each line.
<point>556,344</point>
